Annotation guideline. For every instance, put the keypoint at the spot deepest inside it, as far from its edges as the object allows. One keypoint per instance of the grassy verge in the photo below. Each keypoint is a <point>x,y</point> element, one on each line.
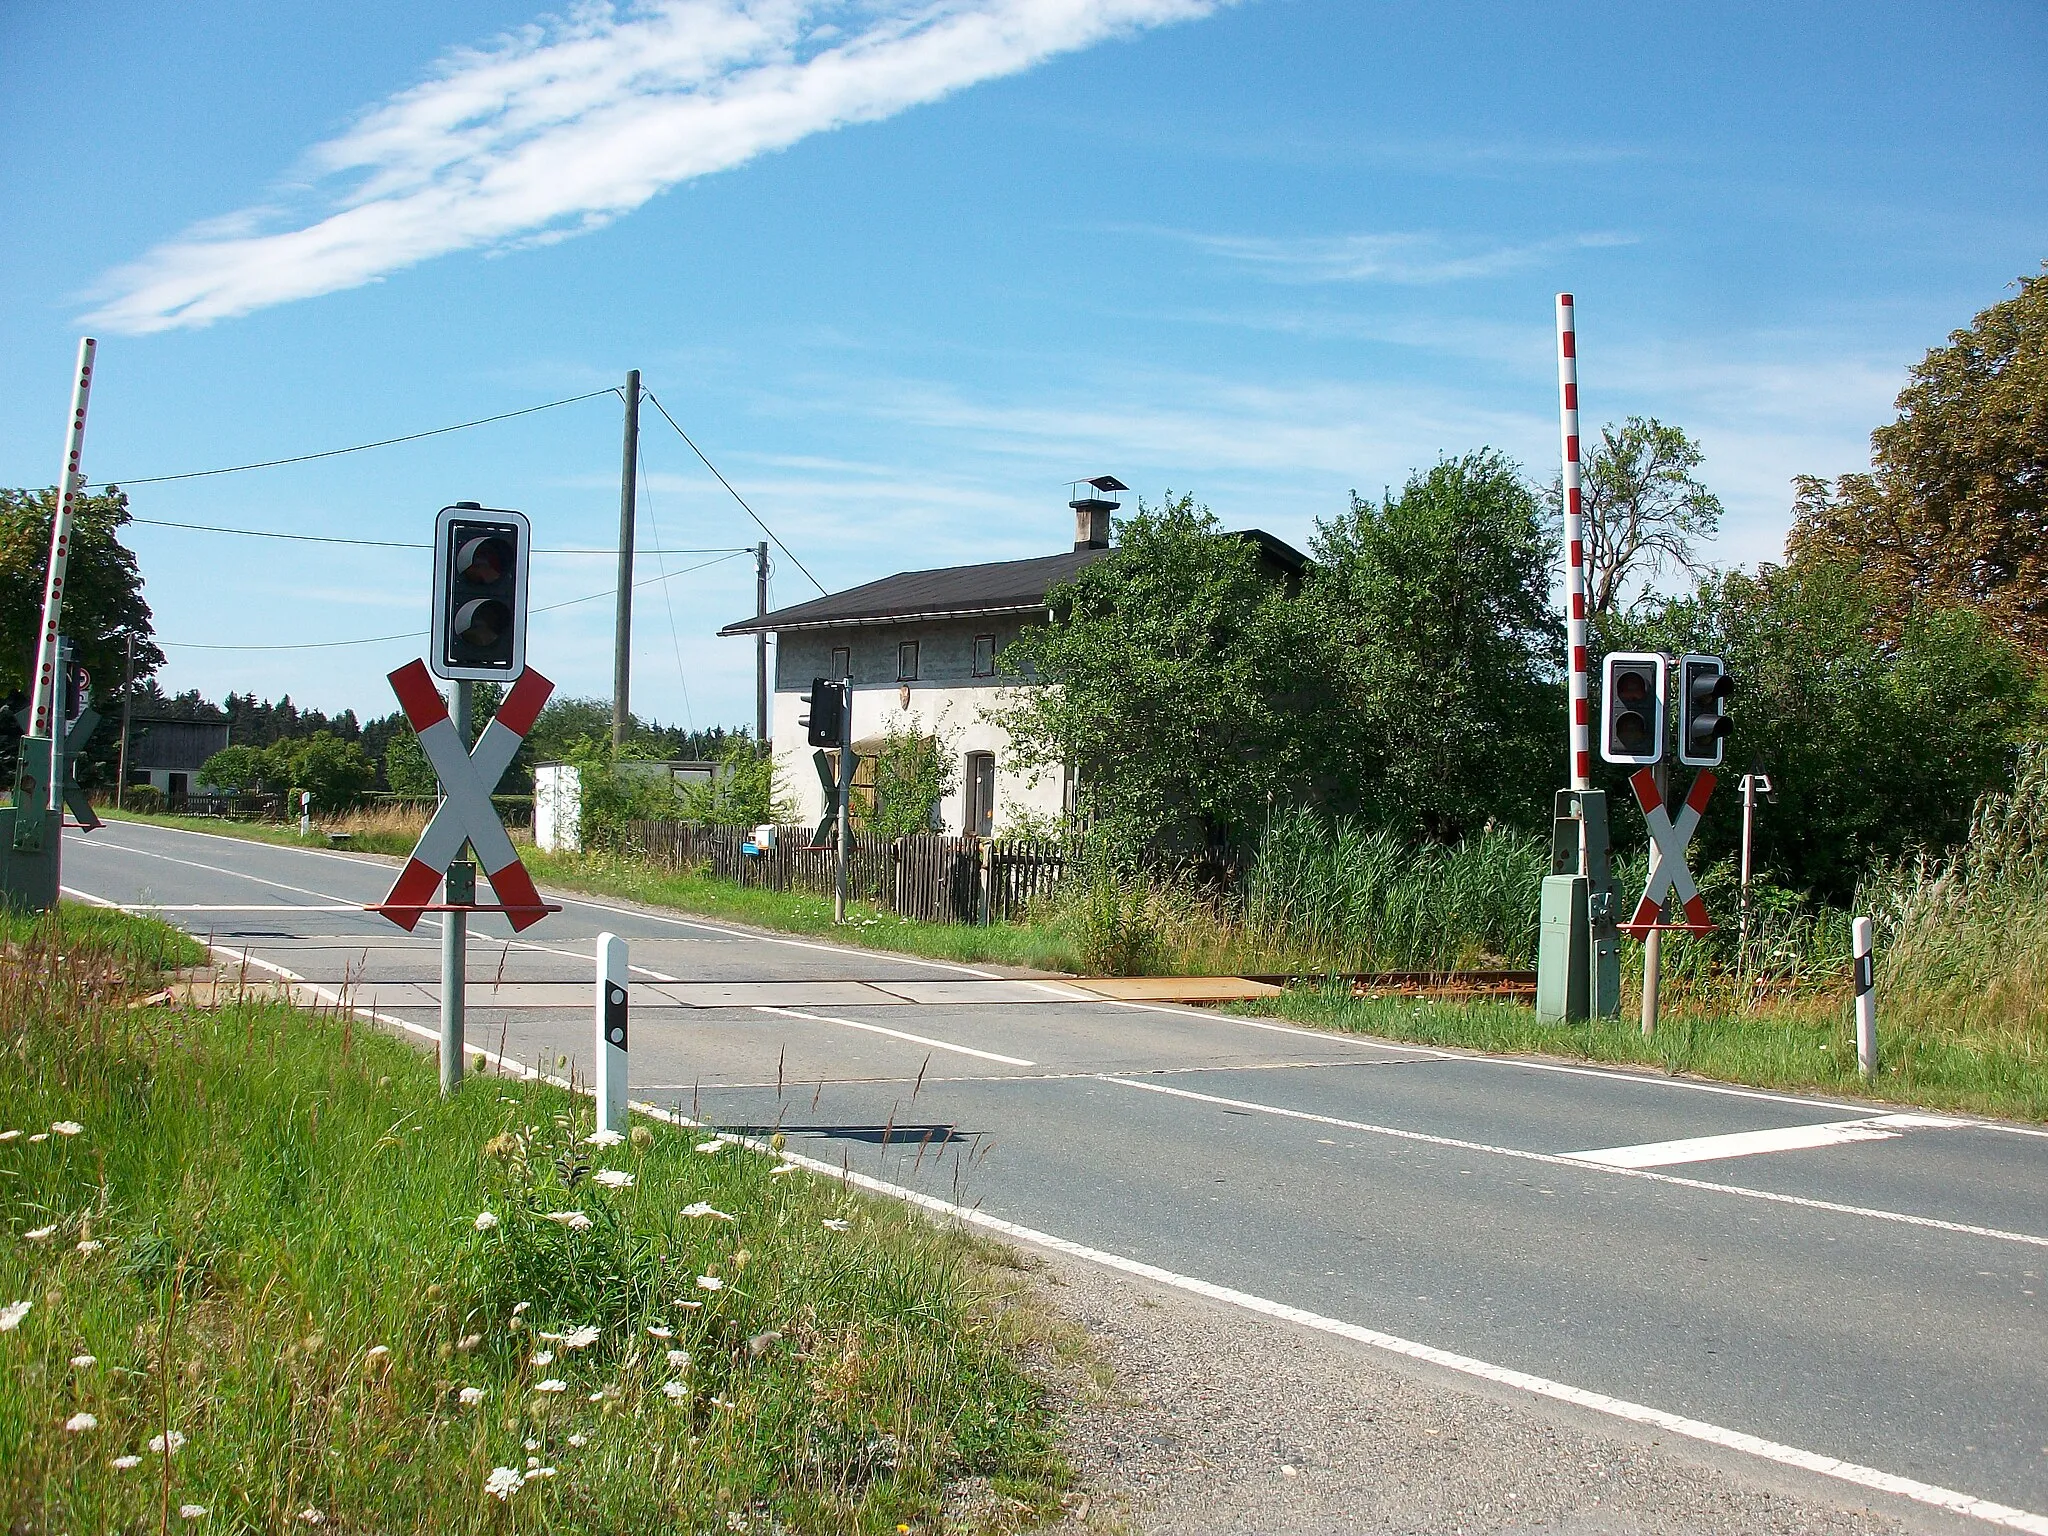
<point>368,832</point>
<point>259,1233</point>
<point>1801,1044</point>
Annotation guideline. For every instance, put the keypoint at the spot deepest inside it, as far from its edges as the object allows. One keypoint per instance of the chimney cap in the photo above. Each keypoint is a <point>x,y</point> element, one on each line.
<point>1108,483</point>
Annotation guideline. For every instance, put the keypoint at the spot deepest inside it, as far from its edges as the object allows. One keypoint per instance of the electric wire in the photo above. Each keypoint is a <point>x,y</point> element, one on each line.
<point>736,496</point>
<point>415,634</point>
<point>328,538</point>
<point>331,453</point>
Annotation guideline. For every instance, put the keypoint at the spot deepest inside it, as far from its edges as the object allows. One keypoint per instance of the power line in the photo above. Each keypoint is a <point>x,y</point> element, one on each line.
<point>330,453</point>
<point>736,496</point>
<point>416,634</point>
<point>326,538</point>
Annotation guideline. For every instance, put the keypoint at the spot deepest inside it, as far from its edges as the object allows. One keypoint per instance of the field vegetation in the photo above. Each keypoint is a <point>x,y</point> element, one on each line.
<point>256,1275</point>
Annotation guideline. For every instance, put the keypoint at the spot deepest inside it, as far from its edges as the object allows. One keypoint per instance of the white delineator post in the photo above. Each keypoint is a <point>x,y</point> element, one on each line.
<point>1574,542</point>
<point>611,1033</point>
<point>1866,998</point>
<point>44,714</point>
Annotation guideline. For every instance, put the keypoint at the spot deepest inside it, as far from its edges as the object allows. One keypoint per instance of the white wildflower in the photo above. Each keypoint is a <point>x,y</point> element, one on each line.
<point>603,1139</point>
<point>12,1314</point>
<point>90,1245</point>
<point>84,1362</point>
<point>656,1331</point>
<point>376,1352</point>
<point>723,1402</point>
<point>503,1482</point>
<point>678,1359</point>
<point>8,1135</point>
<point>40,1136</point>
<point>469,1397</point>
<point>689,1305</point>
<point>674,1391</point>
<point>67,1127</point>
<point>533,1472</point>
<point>834,1224</point>
<point>533,1445</point>
<point>613,1178</point>
<point>544,1357</point>
<point>703,1208</point>
<point>579,1440</point>
<point>42,1234</point>
<point>581,1338</point>
<point>125,1463</point>
<point>552,1384</point>
<point>311,1517</point>
<point>81,1421</point>
<point>710,1283</point>
<point>781,1168</point>
<point>485,1220</point>
<point>174,1439</point>
<point>575,1221</point>
<point>191,1511</point>
<point>468,1342</point>
<point>716,1144</point>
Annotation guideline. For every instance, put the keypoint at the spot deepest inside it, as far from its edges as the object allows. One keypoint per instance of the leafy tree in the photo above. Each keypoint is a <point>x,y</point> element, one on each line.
<point>912,773</point>
<point>238,770</point>
<point>745,792</point>
<point>1441,651</point>
<point>1878,731</point>
<point>1955,508</point>
<point>406,769</point>
<point>103,604</point>
<point>1645,510</point>
<point>1177,665</point>
<point>337,772</point>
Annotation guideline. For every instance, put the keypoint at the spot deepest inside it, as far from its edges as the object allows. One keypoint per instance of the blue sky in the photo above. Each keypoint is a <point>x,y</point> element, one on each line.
<point>905,268</point>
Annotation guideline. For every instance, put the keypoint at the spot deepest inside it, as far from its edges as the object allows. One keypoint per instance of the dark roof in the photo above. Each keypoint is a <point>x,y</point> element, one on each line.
<point>963,591</point>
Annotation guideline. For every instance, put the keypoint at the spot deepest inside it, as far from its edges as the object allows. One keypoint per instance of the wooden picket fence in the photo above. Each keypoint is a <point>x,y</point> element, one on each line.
<point>932,878</point>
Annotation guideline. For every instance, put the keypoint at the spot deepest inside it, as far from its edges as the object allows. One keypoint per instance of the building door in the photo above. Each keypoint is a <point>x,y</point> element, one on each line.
<point>981,794</point>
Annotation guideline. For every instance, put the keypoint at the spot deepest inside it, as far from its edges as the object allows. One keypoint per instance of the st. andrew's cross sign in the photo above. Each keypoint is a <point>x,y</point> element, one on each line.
<point>465,812</point>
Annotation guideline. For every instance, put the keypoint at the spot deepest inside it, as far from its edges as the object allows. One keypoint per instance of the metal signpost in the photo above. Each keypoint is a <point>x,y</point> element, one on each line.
<point>479,633</point>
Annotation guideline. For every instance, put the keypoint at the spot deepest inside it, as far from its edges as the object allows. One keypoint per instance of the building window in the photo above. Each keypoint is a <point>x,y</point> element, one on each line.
<point>981,794</point>
<point>842,661</point>
<point>984,655</point>
<point>906,662</point>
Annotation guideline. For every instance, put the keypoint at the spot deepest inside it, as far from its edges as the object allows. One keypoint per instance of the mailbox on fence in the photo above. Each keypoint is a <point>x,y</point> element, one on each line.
<point>760,842</point>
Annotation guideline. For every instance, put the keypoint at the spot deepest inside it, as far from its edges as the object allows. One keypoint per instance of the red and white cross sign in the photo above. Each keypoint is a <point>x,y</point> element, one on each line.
<point>1668,838</point>
<point>465,811</point>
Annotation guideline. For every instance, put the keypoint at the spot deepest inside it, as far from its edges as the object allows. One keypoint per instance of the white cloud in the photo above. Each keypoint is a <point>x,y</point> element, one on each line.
<point>571,122</point>
<point>1413,256</point>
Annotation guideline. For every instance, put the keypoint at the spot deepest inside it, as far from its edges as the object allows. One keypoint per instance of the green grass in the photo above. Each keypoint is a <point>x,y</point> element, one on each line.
<point>394,840</point>
<point>1803,1045</point>
<point>290,1275</point>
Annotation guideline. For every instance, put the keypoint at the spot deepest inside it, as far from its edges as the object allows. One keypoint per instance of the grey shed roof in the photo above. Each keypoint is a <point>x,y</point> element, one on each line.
<point>963,591</point>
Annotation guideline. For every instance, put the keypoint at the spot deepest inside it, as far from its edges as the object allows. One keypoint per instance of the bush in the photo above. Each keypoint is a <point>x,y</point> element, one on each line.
<point>146,798</point>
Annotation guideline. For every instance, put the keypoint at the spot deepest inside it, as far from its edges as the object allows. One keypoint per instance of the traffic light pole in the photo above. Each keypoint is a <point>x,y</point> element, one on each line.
<point>460,887</point>
<point>1653,941</point>
<point>845,837</point>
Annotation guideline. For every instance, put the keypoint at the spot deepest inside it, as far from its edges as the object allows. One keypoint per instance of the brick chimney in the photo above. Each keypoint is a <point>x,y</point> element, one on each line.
<point>1093,501</point>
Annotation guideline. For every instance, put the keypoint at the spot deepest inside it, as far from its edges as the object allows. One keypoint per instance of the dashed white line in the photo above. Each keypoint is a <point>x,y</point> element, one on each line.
<point>896,1034</point>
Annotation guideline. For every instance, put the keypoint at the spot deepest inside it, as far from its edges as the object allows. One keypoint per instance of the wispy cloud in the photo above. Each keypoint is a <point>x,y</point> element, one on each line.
<point>1407,257</point>
<point>571,122</point>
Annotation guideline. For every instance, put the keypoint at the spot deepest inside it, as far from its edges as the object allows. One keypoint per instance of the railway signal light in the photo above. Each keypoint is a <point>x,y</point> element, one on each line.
<point>1632,707</point>
<point>1703,724</point>
<point>825,723</point>
<point>77,691</point>
<point>480,569</point>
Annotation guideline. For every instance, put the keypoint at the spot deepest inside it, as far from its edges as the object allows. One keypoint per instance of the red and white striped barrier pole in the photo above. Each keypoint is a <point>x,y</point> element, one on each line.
<point>1574,542</point>
<point>44,715</point>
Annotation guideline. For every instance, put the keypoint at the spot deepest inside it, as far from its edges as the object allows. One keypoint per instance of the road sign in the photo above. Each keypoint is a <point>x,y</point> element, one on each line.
<point>1667,856</point>
<point>465,812</point>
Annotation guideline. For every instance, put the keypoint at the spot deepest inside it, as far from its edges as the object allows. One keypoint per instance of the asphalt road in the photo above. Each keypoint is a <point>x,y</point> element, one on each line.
<point>1824,1275</point>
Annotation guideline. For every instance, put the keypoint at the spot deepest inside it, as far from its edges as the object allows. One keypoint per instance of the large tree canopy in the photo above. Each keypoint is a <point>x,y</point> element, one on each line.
<point>1955,508</point>
<point>1441,651</point>
<point>103,604</point>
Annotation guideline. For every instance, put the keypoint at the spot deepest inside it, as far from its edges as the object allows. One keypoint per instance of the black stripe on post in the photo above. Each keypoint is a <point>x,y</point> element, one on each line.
<point>1866,974</point>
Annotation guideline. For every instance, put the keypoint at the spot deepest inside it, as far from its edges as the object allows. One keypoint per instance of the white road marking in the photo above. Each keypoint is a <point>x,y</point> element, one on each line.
<point>1784,1138</point>
<point>1872,1478</point>
<point>1558,1160</point>
<point>897,1034</point>
<point>160,906</point>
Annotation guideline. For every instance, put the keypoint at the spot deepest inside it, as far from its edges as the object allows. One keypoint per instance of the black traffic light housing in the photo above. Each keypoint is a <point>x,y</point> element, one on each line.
<point>481,555</point>
<point>1632,707</point>
<point>826,722</point>
<point>77,691</point>
<point>1703,724</point>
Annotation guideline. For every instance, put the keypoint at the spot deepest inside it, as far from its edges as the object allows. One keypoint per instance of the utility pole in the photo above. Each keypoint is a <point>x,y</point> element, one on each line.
<point>845,838</point>
<point>127,699</point>
<point>761,645</point>
<point>622,640</point>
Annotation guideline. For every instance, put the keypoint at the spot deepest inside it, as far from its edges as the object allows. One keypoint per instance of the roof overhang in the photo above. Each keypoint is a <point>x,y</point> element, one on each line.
<point>756,626</point>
